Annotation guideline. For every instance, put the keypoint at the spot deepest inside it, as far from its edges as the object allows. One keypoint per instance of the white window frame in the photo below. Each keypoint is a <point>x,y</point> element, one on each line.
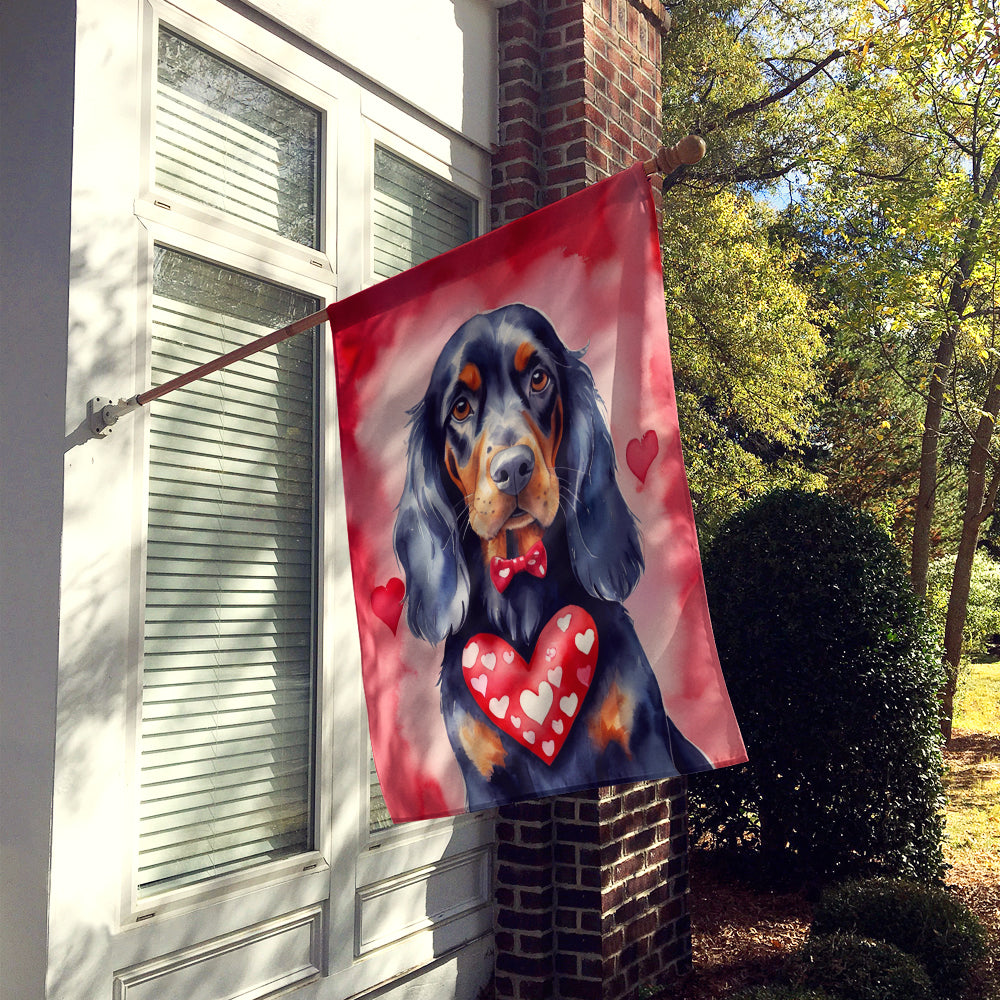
<point>350,874</point>
<point>177,223</point>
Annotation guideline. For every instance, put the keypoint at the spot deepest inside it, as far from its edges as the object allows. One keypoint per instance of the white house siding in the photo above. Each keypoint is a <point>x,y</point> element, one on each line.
<point>410,914</point>
<point>36,117</point>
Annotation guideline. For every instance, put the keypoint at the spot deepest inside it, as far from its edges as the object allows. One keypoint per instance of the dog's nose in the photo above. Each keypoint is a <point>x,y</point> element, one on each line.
<point>511,468</point>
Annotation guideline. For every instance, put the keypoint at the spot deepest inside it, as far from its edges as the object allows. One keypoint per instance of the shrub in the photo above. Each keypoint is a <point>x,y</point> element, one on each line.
<point>925,922</point>
<point>856,968</point>
<point>833,673</point>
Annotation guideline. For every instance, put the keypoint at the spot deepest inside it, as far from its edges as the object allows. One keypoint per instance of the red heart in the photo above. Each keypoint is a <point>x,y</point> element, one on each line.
<point>537,702</point>
<point>387,602</point>
<point>639,454</point>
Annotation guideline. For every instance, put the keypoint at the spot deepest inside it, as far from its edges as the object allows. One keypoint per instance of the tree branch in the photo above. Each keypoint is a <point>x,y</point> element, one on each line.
<point>754,106</point>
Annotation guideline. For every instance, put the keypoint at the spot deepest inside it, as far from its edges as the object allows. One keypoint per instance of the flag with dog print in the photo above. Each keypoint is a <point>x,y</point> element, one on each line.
<point>528,588</point>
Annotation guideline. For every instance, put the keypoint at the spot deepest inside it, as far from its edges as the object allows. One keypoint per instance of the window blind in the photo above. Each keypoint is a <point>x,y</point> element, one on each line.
<point>225,139</point>
<point>228,653</point>
<point>415,217</point>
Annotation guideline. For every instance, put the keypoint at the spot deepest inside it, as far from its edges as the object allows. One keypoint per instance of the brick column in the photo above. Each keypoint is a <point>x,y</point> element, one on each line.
<point>591,889</point>
<point>579,96</point>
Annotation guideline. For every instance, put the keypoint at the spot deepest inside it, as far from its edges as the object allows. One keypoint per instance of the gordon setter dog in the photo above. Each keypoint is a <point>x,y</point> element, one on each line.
<point>518,548</point>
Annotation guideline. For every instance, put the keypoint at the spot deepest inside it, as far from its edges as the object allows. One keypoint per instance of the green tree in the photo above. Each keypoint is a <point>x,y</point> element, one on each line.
<point>747,357</point>
<point>912,189</point>
<point>747,353</point>
<point>878,121</point>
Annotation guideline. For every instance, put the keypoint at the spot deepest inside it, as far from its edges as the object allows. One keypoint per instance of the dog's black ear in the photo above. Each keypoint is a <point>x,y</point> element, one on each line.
<point>426,540</point>
<point>604,544</point>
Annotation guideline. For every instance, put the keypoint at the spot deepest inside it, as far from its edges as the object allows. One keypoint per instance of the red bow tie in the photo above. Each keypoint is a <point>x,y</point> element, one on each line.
<point>502,571</point>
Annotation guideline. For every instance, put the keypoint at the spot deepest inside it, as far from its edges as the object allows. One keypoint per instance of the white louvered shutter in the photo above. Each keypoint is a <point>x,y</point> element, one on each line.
<point>229,661</point>
<point>416,216</point>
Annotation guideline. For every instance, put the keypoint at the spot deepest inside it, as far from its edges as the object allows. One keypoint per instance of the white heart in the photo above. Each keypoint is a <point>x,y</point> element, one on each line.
<point>508,656</point>
<point>504,573</point>
<point>479,683</point>
<point>529,737</point>
<point>515,721</point>
<point>490,660</point>
<point>568,705</point>
<point>536,706</point>
<point>557,726</point>
<point>550,653</point>
<point>498,706</point>
<point>469,655</point>
<point>563,622</point>
<point>549,748</point>
<point>584,640</point>
<point>555,676</point>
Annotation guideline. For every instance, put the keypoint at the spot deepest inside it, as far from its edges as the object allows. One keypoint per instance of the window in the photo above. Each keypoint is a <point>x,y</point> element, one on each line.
<point>229,646</point>
<point>415,217</point>
<point>251,805</point>
<point>228,679</point>
<point>227,140</point>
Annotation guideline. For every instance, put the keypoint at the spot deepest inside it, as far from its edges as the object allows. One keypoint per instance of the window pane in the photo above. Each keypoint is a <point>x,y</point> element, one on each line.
<point>416,217</point>
<point>228,140</point>
<point>228,656</point>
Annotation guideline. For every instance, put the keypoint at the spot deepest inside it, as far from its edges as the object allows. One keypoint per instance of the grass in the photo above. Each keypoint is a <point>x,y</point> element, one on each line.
<point>978,698</point>
<point>973,782</point>
<point>972,848</point>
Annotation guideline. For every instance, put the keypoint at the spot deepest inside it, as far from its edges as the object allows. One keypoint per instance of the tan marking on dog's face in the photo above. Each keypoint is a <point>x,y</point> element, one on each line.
<point>483,746</point>
<point>523,356</point>
<point>471,377</point>
<point>613,721</point>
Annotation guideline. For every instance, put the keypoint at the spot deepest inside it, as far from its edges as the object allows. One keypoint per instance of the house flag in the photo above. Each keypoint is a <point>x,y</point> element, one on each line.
<point>528,587</point>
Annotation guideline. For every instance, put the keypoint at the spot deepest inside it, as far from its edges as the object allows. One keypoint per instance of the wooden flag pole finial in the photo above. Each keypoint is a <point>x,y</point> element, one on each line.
<point>668,158</point>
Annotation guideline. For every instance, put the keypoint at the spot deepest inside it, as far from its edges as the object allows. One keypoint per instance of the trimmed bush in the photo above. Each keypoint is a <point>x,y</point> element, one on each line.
<point>925,922</point>
<point>833,673</point>
<point>856,968</point>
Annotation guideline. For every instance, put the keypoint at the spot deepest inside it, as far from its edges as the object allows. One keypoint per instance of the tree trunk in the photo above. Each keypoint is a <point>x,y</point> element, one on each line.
<point>958,299</point>
<point>920,554</point>
<point>979,500</point>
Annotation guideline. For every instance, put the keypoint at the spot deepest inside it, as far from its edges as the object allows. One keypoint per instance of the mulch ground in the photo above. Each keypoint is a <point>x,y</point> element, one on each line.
<point>742,935</point>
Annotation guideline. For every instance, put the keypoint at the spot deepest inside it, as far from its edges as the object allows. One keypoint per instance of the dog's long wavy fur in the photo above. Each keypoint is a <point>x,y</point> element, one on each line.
<point>595,558</point>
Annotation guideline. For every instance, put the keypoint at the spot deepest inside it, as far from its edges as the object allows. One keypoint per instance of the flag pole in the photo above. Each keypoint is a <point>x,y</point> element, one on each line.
<point>103,414</point>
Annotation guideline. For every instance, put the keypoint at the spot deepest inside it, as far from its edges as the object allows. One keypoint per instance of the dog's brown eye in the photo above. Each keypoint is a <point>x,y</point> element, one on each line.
<point>461,409</point>
<point>539,379</point>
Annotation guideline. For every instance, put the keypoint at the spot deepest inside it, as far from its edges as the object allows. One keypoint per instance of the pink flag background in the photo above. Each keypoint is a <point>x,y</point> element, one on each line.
<point>591,264</point>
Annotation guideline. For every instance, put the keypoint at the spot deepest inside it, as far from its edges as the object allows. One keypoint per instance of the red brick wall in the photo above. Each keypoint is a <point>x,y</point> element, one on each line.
<point>591,889</point>
<point>591,893</point>
<point>579,96</point>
